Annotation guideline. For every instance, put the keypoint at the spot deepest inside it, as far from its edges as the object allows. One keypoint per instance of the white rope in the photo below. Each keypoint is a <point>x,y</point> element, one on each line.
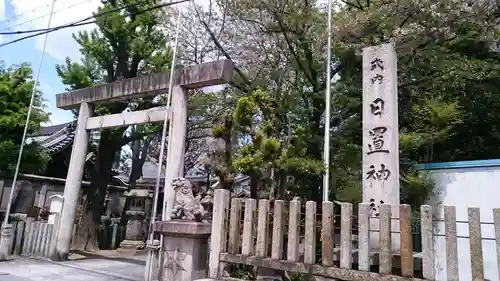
<point>33,93</point>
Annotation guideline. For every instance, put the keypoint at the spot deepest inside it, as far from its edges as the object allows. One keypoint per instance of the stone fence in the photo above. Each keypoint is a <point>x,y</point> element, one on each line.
<point>33,238</point>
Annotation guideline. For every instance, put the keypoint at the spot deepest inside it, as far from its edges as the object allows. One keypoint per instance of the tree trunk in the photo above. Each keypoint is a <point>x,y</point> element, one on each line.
<point>93,206</point>
<point>254,186</point>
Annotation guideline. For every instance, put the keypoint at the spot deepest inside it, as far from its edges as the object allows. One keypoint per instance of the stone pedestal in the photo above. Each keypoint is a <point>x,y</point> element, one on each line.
<point>185,249</point>
<point>134,231</point>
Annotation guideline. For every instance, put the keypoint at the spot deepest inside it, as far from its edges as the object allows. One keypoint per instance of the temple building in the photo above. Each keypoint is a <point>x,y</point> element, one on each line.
<point>37,190</point>
<point>57,140</point>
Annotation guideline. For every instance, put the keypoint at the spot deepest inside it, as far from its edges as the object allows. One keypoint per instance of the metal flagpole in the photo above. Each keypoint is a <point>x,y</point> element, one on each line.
<point>33,93</point>
<point>326,150</point>
<point>149,268</point>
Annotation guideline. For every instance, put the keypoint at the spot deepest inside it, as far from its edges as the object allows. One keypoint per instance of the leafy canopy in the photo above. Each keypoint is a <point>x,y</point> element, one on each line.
<point>16,87</point>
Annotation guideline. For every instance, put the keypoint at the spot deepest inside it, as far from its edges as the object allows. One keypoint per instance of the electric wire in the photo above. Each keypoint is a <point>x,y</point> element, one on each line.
<point>23,140</point>
<point>23,13</point>
<point>75,24</point>
<point>89,20</point>
<point>43,16</point>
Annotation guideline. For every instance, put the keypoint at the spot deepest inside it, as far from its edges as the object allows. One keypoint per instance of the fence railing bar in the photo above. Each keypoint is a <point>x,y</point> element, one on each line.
<point>439,235</point>
<point>466,237</point>
<point>439,220</point>
<point>485,223</point>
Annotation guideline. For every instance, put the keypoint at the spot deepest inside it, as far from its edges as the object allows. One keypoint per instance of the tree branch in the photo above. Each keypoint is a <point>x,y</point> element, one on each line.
<point>221,48</point>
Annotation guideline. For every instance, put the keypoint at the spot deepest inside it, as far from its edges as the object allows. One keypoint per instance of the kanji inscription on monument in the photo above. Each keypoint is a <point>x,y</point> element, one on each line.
<point>380,127</point>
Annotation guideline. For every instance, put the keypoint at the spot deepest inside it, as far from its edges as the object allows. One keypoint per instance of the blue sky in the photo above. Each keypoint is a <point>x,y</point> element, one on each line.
<point>49,82</point>
<point>18,15</point>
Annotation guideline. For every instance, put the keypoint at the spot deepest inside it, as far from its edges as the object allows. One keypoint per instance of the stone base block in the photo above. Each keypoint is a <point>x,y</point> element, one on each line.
<point>185,250</point>
<point>132,245</point>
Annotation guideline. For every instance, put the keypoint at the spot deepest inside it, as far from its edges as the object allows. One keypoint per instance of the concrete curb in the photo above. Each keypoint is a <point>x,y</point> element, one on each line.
<point>92,270</point>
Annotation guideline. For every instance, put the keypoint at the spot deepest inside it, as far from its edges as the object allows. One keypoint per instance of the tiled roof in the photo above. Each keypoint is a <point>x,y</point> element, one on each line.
<point>55,138</point>
<point>50,130</point>
<point>150,170</point>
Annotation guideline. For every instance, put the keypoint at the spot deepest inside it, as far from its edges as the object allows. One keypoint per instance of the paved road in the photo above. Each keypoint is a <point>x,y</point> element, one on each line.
<point>97,269</point>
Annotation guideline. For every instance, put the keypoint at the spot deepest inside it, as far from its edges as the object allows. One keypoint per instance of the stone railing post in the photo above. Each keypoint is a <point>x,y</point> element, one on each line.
<point>218,240</point>
<point>6,241</point>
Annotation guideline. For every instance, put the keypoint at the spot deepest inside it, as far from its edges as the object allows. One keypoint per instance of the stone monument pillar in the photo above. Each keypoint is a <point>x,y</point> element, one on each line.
<point>381,136</point>
<point>134,232</point>
<point>185,237</point>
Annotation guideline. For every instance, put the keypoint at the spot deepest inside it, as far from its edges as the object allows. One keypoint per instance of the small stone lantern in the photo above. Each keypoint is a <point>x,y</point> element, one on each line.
<point>134,232</point>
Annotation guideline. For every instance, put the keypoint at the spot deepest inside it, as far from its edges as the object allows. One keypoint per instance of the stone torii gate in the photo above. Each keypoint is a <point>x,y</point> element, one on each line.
<point>191,77</point>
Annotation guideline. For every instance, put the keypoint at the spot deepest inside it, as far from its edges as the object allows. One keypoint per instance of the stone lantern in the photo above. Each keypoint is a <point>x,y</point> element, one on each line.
<point>136,213</point>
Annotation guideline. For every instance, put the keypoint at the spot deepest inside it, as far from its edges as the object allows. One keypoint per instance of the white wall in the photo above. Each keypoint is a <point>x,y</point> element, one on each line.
<point>467,187</point>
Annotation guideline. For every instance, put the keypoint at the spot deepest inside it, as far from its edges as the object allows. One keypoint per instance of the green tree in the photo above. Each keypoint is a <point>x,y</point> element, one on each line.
<point>276,50</point>
<point>447,70</point>
<point>16,87</point>
<point>271,151</point>
<point>447,66</point>
<point>126,43</point>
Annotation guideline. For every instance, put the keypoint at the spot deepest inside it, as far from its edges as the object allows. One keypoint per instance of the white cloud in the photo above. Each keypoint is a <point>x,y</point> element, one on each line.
<point>34,14</point>
<point>2,9</point>
<point>2,13</point>
<point>58,116</point>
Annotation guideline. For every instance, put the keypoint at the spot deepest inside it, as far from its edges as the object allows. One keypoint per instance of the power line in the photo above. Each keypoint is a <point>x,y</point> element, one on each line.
<point>86,21</point>
<point>23,13</point>
<point>76,23</point>
<point>43,16</point>
<point>44,29</point>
